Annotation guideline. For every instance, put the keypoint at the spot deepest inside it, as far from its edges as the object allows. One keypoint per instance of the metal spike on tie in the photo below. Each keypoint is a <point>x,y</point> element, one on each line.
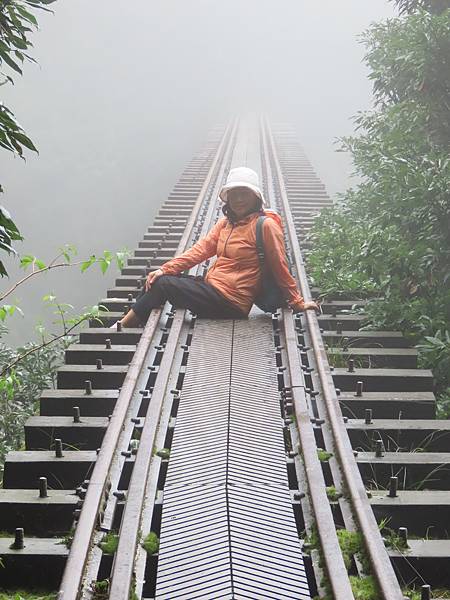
<point>425,592</point>
<point>18,543</point>
<point>76,414</point>
<point>43,493</point>
<point>58,448</point>
<point>393,486</point>
<point>379,448</point>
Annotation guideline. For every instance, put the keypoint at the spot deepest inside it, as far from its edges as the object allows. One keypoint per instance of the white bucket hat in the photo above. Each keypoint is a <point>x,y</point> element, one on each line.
<point>242,177</point>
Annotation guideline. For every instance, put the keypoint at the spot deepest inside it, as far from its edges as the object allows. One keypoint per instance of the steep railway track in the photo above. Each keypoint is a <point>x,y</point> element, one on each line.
<point>189,449</point>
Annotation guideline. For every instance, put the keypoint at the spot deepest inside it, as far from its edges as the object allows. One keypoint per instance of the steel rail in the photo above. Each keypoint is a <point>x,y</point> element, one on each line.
<point>124,559</point>
<point>336,474</point>
<point>72,580</point>
<point>326,528</point>
<point>381,565</point>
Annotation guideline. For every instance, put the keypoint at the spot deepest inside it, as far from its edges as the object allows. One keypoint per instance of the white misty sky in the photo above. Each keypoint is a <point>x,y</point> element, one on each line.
<point>125,93</point>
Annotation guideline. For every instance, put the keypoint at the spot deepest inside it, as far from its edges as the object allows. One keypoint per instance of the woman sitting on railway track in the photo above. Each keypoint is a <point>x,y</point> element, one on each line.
<point>232,282</point>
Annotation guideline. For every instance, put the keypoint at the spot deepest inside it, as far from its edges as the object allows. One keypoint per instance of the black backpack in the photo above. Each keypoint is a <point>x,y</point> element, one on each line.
<point>270,297</point>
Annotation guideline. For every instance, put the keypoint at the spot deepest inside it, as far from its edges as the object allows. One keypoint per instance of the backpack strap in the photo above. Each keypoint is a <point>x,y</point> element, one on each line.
<point>259,240</point>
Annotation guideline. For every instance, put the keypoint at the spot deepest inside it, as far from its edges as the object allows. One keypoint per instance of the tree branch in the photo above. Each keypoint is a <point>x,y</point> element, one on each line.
<point>50,266</point>
<point>43,345</point>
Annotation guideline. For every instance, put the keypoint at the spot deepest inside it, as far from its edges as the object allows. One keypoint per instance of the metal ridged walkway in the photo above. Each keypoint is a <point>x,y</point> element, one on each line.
<point>228,528</point>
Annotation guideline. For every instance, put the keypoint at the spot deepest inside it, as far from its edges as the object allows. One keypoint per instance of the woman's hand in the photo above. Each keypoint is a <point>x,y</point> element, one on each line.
<point>152,277</point>
<point>311,305</point>
<point>306,306</point>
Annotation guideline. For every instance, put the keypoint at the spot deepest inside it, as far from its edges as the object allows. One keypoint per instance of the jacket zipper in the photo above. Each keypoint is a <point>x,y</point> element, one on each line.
<point>226,241</point>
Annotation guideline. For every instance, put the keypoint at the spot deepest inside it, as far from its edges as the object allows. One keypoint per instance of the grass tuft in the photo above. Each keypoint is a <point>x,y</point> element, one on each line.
<point>164,453</point>
<point>323,455</point>
<point>109,543</point>
<point>332,494</point>
<point>26,595</point>
<point>151,543</point>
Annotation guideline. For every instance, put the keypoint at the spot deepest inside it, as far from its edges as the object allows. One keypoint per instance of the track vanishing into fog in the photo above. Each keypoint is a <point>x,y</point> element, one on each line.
<point>211,459</point>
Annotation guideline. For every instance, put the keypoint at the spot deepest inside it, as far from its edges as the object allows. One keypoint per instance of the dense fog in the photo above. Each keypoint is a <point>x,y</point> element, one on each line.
<point>125,94</point>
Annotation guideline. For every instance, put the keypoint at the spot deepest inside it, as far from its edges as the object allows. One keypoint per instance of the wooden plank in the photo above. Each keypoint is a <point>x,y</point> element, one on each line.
<point>389,405</point>
<point>61,402</point>
<point>40,431</point>
<point>389,339</point>
<point>87,354</point>
<point>38,516</point>
<point>412,434</point>
<point>415,470</point>
<point>24,467</point>
<point>386,380</point>
<point>40,563</point>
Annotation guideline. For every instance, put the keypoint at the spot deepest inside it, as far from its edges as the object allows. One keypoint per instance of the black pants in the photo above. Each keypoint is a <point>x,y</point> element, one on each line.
<point>185,291</point>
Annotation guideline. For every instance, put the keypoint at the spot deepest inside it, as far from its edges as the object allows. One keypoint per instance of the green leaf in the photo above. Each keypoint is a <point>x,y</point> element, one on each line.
<point>41,264</point>
<point>87,263</point>
<point>25,141</point>
<point>26,15</point>
<point>8,310</point>
<point>104,264</point>
<point>26,260</point>
<point>9,61</point>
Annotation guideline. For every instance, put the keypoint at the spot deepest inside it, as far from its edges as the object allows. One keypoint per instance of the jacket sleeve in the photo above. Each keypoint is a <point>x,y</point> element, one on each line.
<point>276,261</point>
<point>200,251</point>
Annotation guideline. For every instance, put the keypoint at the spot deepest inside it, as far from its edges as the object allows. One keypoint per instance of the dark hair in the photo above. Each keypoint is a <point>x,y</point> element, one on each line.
<point>231,216</point>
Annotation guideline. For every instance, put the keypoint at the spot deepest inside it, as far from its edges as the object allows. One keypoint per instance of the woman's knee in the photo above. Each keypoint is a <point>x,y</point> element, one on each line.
<point>164,282</point>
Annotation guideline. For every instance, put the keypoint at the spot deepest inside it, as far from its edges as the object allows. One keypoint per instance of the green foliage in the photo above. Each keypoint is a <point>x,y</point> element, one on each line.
<point>8,310</point>
<point>390,234</point>
<point>350,543</point>
<point>12,136</point>
<point>26,371</point>
<point>364,588</point>
<point>408,59</point>
<point>151,543</point>
<point>26,595</point>
<point>164,453</point>
<point>332,494</point>
<point>100,589</point>
<point>109,543</point>
<point>433,6</point>
<point>16,22</point>
<point>323,455</point>
<point>393,540</point>
<point>68,537</point>
<point>437,593</point>
<point>20,388</point>
<point>435,353</point>
<point>8,230</point>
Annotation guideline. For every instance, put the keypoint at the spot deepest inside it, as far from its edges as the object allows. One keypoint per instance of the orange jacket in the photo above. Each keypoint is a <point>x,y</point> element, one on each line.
<point>236,271</point>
